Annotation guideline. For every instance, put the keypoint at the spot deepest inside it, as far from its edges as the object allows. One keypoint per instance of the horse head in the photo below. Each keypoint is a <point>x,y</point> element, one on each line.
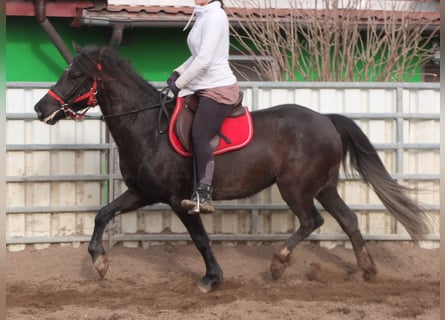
<point>75,91</point>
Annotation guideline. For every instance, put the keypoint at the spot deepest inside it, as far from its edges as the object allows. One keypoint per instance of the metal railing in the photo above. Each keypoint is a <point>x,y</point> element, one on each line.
<point>399,146</point>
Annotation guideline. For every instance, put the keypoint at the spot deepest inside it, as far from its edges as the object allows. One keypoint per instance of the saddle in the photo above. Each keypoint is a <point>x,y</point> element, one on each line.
<point>235,133</point>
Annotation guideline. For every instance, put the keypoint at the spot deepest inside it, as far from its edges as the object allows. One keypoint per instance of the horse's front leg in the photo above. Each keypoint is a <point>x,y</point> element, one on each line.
<point>214,274</point>
<point>128,201</point>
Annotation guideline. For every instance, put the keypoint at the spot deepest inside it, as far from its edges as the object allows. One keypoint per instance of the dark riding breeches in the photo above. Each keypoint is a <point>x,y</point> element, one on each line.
<point>207,123</point>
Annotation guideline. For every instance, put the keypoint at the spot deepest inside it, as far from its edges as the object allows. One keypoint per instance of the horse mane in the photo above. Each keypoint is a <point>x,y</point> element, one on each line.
<point>113,66</point>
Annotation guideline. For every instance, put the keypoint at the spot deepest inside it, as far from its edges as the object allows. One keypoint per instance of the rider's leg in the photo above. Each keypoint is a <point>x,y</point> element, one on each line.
<point>207,123</point>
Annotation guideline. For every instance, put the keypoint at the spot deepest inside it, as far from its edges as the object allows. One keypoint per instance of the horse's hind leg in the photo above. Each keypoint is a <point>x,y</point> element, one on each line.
<point>127,201</point>
<point>310,219</point>
<point>331,201</point>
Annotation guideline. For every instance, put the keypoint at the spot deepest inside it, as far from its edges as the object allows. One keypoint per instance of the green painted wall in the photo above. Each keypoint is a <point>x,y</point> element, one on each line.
<point>31,56</point>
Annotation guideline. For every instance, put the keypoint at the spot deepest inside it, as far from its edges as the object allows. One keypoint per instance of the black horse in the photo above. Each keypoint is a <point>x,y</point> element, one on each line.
<point>298,149</point>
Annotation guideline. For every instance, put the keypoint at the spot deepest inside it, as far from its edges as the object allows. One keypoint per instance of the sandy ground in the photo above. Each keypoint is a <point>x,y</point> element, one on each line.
<point>160,283</point>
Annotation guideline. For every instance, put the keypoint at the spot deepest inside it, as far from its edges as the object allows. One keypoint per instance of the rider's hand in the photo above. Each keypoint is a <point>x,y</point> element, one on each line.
<point>175,75</point>
<point>174,89</point>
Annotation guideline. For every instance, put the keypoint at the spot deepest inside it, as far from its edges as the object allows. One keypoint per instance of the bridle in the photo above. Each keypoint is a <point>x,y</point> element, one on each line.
<point>65,105</point>
<point>91,102</point>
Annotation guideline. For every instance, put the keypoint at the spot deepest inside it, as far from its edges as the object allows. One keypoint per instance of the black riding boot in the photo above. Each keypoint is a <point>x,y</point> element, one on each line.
<point>201,200</point>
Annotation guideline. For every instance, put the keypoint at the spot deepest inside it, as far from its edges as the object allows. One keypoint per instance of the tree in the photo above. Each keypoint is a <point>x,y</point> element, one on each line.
<point>335,40</point>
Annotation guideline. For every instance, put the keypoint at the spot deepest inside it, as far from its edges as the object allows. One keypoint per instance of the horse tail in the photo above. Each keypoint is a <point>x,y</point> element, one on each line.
<point>364,159</point>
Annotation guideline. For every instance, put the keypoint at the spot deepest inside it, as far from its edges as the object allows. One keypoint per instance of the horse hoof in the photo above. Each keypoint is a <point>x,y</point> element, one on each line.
<point>101,264</point>
<point>278,265</point>
<point>208,285</point>
<point>205,287</point>
<point>369,275</point>
<point>360,275</point>
<point>367,265</point>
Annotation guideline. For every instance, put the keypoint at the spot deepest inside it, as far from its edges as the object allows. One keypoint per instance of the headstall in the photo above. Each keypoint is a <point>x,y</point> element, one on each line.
<point>65,105</point>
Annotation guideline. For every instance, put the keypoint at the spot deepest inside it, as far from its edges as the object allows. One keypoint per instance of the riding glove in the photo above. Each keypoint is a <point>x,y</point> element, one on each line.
<point>175,75</point>
<point>174,89</point>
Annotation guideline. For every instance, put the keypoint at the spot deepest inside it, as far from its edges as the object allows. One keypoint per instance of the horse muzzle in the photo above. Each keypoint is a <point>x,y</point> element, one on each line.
<point>50,118</point>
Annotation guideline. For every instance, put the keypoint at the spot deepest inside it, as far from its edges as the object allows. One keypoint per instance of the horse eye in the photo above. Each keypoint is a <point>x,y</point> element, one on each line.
<point>74,74</point>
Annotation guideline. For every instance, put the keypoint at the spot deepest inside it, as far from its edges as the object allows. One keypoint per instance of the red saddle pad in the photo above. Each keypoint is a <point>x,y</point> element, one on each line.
<point>237,130</point>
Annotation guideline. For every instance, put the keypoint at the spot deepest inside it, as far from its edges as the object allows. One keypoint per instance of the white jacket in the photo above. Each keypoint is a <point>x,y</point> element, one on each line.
<point>208,41</point>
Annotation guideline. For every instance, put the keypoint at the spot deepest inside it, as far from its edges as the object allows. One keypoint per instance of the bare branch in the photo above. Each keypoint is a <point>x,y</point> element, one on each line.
<point>334,41</point>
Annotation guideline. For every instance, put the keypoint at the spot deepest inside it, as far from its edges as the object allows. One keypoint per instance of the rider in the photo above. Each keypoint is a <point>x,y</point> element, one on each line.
<point>207,73</point>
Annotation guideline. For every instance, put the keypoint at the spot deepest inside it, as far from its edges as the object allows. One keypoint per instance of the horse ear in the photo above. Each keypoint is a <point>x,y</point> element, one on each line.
<point>76,47</point>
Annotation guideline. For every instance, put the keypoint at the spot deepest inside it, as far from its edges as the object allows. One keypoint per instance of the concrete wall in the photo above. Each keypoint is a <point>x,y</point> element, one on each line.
<point>58,176</point>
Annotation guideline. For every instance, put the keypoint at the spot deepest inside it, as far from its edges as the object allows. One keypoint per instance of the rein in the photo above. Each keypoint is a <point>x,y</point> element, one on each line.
<point>161,105</point>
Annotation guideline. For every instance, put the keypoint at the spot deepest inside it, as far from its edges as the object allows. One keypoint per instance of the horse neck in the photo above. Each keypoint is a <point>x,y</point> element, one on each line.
<point>116,97</point>
<point>120,96</point>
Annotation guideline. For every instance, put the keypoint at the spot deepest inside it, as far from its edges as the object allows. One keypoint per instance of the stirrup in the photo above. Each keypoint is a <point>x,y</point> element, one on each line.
<point>200,201</point>
<point>197,204</point>
<point>192,206</point>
